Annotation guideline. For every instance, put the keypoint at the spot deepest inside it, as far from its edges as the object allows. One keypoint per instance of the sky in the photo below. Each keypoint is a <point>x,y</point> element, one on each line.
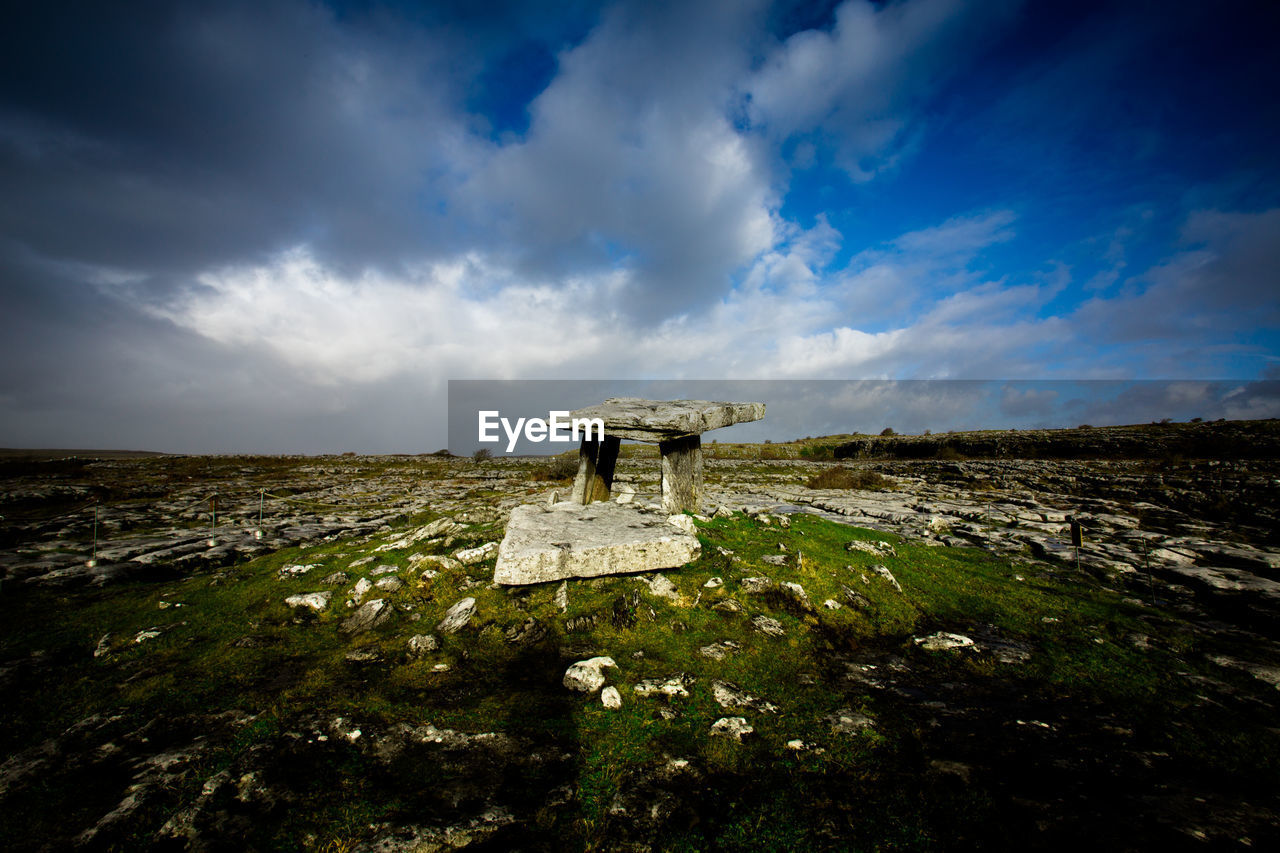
<point>283,226</point>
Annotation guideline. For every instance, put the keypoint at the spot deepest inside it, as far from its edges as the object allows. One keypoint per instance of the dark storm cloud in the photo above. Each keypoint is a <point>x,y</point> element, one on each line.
<point>83,362</point>
<point>142,144</point>
<point>173,136</point>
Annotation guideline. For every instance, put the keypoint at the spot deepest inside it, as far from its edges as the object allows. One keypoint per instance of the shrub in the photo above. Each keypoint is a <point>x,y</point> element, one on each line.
<point>847,478</point>
<point>482,454</point>
<point>887,431</point>
<point>562,467</point>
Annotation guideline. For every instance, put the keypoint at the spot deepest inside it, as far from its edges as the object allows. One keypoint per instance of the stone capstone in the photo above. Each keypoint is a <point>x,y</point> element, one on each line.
<point>652,420</point>
<point>571,540</point>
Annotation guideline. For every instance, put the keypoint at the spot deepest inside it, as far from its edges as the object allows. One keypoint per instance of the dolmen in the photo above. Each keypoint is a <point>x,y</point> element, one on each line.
<point>587,535</point>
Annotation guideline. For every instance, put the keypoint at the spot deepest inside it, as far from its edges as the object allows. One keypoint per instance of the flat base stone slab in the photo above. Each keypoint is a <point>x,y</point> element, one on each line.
<point>570,540</point>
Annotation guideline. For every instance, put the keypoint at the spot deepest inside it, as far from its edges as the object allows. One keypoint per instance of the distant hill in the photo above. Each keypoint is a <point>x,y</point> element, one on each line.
<point>1216,440</point>
<point>49,453</point>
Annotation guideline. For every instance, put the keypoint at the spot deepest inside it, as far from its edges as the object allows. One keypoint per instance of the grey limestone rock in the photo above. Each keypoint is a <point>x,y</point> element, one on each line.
<point>676,685</point>
<point>768,625</point>
<point>457,617</point>
<point>796,591</point>
<point>420,644</point>
<point>731,727</point>
<point>729,695</point>
<point>313,600</point>
<point>572,540</point>
<point>720,650</point>
<point>471,556</point>
<point>845,721</point>
<point>942,641</point>
<point>585,676</point>
<point>369,615</point>
<point>883,571</point>
<point>358,591</point>
<point>660,586</point>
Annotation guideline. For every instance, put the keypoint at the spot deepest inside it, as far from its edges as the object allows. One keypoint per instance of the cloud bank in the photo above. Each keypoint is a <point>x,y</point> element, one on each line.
<point>284,226</point>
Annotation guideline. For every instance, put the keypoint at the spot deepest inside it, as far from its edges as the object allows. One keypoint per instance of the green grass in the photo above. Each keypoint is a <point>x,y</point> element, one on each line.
<point>864,787</point>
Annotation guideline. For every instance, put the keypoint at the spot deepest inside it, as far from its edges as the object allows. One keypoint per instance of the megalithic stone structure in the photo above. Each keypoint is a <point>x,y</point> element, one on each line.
<point>676,426</point>
<point>588,535</point>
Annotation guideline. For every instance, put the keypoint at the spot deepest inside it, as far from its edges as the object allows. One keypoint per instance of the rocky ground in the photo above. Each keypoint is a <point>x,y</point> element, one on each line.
<point>319,660</point>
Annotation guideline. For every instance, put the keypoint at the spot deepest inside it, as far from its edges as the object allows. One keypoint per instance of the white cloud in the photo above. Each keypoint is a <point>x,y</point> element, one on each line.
<point>475,315</point>
<point>333,329</point>
<point>961,237</point>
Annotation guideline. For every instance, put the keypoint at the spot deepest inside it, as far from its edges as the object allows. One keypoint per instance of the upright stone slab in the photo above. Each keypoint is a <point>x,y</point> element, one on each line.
<point>596,462</point>
<point>570,540</point>
<point>585,480</point>
<point>681,474</point>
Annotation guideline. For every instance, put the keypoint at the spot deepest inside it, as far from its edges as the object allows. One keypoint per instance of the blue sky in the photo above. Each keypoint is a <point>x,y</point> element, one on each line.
<point>284,226</point>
